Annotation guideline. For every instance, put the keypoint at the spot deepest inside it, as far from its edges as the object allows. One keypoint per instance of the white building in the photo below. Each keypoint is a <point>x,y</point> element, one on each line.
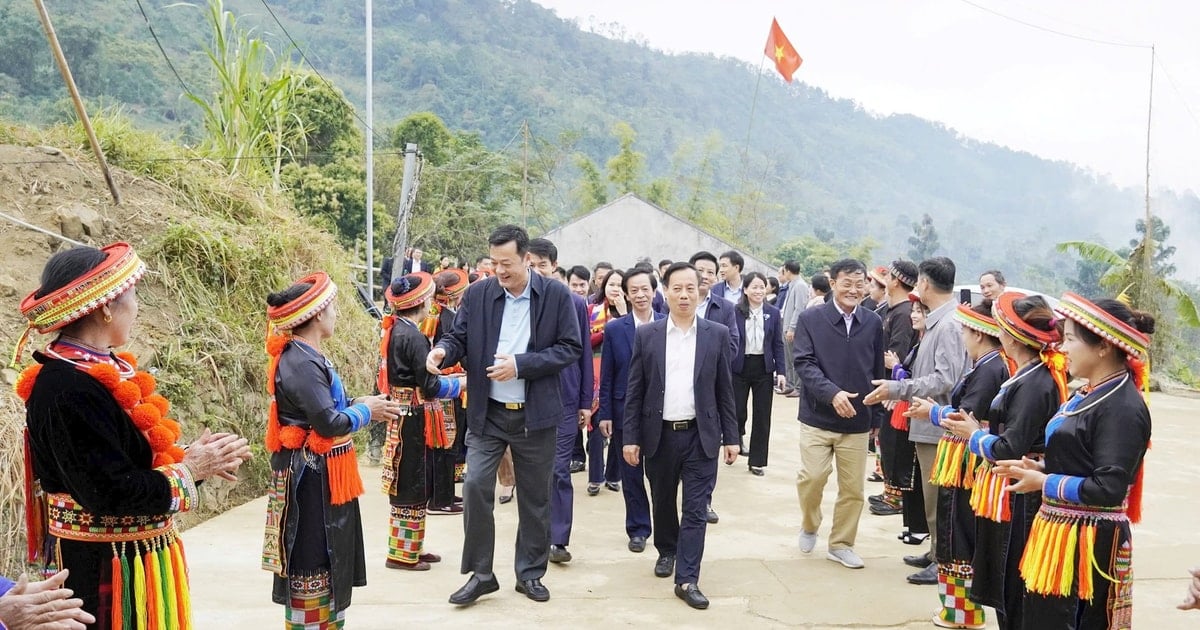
<point>630,228</point>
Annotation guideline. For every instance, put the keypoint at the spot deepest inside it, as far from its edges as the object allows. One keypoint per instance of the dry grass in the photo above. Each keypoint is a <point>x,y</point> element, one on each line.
<point>12,486</point>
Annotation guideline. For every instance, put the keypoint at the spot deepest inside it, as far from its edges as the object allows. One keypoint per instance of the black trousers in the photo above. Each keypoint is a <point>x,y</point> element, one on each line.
<point>755,379</point>
<point>533,463</point>
<point>681,459</point>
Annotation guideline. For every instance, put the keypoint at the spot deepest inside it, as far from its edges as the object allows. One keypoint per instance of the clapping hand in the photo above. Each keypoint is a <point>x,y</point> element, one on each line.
<point>1027,474</point>
<point>961,424</point>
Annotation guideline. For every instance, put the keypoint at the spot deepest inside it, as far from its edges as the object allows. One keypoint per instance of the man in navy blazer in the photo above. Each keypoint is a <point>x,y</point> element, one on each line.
<point>639,286</point>
<point>679,413</point>
<point>514,333</point>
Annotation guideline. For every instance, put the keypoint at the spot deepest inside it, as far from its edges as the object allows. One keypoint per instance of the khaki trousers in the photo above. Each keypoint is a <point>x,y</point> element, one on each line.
<point>818,451</point>
<point>927,457</point>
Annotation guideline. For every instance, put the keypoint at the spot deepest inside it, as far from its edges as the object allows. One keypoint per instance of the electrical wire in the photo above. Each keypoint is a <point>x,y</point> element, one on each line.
<point>314,68</point>
<point>1174,86</point>
<point>234,158</point>
<point>162,50</point>
<point>1047,29</point>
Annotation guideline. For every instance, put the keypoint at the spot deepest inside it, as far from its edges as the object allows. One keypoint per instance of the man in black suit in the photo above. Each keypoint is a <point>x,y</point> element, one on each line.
<point>679,413</point>
<point>416,262</point>
<point>715,309</point>
<point>513,334</point>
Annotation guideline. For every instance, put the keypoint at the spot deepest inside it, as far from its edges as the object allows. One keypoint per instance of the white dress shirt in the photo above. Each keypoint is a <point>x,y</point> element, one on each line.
<point>754,332</point>
<point>679,397</point>
<point>848,318</point>
<point>702,307</point>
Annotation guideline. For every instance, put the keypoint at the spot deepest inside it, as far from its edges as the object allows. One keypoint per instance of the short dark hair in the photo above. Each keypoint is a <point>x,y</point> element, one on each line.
<point>995,273</point>
<point>702,255</point>
<point>792,267</point>
<point>849,266</point>
<point>581,272</point>
<point>644,264</point>
<point>602,265</point>
<point>773,283</point>
<point>664,262</point>
<point>735,259</point>
<point>510,233</point>
<point>544,248</point>
<point>481,259</point>
<point>680,266</point>
<point>940,272</point>
<point>638,270</point>
<point>66,266</point>
<point>562,273</point>
<point>820,282</point>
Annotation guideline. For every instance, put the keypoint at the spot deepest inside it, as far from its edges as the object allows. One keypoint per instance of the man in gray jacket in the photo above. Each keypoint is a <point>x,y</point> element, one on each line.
<point>797,298</point>
<point>940,363</point>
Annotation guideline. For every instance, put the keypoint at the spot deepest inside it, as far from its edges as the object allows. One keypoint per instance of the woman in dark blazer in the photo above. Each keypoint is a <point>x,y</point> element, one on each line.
<point>758,366</point>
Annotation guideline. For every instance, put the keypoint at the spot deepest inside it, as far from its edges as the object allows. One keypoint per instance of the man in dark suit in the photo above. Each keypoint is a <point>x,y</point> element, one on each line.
<point>639,286</point>
<point>838,352</point>
<point>730,267</point>
<point>576,382</point>
<point>714,309</point>
<point>514,333</point>
<point>416,263</point>
<point>679,413</point>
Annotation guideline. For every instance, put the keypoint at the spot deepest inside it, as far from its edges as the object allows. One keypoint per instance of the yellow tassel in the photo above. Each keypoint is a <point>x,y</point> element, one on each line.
<point>1067,561</point>
<point>139,591</point>
<point>181,585</point>
<point>1087,544</point>
<point>170,601</point>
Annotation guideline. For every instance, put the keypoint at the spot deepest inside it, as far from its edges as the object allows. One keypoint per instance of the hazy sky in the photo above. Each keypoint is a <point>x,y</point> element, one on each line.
<point>985,76</point>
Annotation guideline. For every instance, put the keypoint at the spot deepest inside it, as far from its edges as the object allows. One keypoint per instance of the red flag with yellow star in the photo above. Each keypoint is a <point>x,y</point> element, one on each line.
<point>780,50</point>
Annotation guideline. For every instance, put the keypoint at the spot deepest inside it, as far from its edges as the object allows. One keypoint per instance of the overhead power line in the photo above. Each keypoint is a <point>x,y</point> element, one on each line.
<point>1047,29</point>
<point>158,43</point>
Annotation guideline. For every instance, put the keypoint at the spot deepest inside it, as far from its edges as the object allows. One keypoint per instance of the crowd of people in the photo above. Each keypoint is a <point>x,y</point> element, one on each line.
<point>521,371</point>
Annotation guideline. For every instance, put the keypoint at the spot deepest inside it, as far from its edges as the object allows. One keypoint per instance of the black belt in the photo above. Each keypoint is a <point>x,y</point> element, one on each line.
<point>511,406</point>
<point>680,425</point>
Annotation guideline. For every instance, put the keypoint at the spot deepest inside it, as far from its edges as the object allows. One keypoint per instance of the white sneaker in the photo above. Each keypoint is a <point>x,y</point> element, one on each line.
<point>807,541</point>
<point>846,557</point>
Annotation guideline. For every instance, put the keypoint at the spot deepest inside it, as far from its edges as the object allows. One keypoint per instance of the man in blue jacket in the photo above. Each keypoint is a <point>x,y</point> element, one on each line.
<point>575,384</point>
<point>513,334</point>
<point>639,286</point>
<point>838,352</point>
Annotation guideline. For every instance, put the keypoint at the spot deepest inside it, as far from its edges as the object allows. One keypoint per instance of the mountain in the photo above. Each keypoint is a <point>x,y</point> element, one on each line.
<point>490,65</point>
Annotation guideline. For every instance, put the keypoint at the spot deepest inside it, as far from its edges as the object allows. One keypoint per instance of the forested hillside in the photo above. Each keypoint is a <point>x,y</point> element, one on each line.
<point>815,165</point>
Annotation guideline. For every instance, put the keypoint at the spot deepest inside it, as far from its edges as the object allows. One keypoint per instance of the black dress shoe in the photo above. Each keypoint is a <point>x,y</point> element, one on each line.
<point>920,561</point>
<point>473,590</point>
<point>757,471</point>
<point>883,509</point>
<point>559,554</point>
<point>576,466</point>
<point>637,544</point>
<point>691,594</point>
<point>875,477</point>
<point>928,575</point>
<point>534,590</point>
<point>910,538</point>
<point>665,566</point>
<point>712,517</point>
<point>876,499</point>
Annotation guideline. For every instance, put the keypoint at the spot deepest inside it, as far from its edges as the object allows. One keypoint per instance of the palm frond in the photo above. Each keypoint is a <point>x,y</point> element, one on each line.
<point>1093,252</point>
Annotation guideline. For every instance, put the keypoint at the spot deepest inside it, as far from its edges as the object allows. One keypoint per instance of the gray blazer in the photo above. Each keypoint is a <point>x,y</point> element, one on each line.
<point>940,364</point>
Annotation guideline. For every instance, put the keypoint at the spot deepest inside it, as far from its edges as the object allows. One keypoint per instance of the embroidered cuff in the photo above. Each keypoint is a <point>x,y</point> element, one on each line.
<point>449,387</point>
<point>982,443</point>
<point>184,495</point>
<point>360,416</point>
<point>939,413</point>
<point>1062,488</point>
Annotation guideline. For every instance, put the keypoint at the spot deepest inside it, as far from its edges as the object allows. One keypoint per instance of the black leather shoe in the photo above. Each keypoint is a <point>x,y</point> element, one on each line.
<point>883,509</point>
<point>534,590</point>
<point>559,554</point>
<point>757,471</point>
<point>691,594</point>
<point>876,499</point>
<point>920,561</point>
<point>712,517</point>
<point>665,566</point>
<point>928,575</point>
<point>637,544</point>
<point>576,466</point>
<point>473,590</point>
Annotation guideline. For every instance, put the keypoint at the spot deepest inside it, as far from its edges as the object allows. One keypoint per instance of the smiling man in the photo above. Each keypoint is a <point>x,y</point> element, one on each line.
<point>838,352</point>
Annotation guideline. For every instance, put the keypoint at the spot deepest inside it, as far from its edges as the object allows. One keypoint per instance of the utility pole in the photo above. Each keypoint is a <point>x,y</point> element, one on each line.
<point>80,110</point>
<point>1143,288</point>
<point>408,195</point>
<point>370,152</point>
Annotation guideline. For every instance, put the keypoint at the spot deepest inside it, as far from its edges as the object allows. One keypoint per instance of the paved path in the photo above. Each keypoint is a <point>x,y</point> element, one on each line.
<point>753,572</point>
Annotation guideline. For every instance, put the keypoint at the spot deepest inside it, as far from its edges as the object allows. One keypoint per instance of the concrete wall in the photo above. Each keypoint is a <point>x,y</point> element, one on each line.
<point>628,229</point>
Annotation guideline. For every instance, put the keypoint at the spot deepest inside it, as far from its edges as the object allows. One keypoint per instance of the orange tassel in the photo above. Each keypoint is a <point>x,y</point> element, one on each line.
<point>899,422</point>
<point>345,484</point>
<point>385,342</point>
<point>152,589</point>
<point>1134,501</point>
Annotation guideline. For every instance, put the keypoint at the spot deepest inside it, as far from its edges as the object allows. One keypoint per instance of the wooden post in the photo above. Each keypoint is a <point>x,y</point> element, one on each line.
<point>79,108</point>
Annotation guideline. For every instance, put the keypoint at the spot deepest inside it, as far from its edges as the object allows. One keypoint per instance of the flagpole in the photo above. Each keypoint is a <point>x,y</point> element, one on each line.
<point>750,123</point>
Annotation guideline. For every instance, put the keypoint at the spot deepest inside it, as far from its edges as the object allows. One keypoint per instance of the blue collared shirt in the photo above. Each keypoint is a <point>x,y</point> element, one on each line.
<point>514,340</point>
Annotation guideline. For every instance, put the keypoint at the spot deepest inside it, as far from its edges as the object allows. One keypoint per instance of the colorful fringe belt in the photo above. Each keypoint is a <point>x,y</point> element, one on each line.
<point>150,589</point>
<point>955,465</point>
<point>440,428</point>
<point>1062,547</point>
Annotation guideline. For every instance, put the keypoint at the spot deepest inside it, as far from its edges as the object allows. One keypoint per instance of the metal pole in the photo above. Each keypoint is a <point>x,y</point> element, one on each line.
<point>1143,289</point>
<point>59,58</point>
<point>370,153</point>
<point>404,211</point>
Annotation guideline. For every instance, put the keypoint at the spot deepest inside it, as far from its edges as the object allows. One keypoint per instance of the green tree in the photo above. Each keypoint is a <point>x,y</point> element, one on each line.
<point>593,192</point>
<point>627,168</point>
<point>815,254</point>
<point>327,122</point>
<point>923,243</point>
<point>429,133</point>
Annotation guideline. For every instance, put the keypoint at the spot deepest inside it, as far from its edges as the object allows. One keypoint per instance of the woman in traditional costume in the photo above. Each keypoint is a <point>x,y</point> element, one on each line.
<point>450,287</point>
<point>954,471</point>
<point>313,541</point>
<point>421,423</point>
<point>1029,335</point>
<point>1076,566</point>
<point>104,476</point>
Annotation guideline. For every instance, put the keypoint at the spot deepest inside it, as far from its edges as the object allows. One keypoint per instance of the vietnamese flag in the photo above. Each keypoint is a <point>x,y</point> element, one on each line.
<point>780,50</point>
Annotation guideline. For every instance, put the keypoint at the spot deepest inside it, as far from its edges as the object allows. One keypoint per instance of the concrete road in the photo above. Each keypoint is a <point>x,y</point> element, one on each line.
<point>753,571</point>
